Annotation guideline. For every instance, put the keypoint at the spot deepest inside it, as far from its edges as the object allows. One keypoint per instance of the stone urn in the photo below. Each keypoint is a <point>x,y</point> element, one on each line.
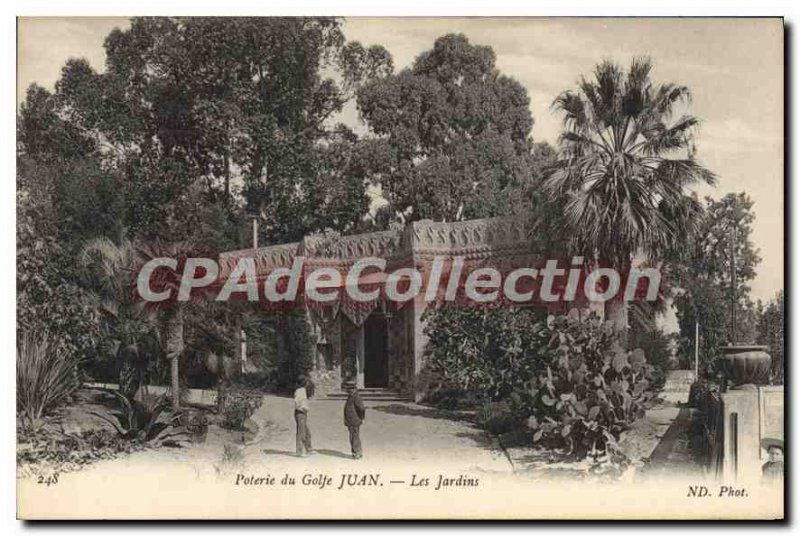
<point>742,365</point>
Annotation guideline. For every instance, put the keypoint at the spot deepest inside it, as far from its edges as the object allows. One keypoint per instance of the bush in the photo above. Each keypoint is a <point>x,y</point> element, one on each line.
<point>658,347</point>
<point>567,377</point>
<point>69,452</point>
<point>280,345</point>
<point>497,418</point>
<point>239,406</point>
<point>48,299</point>
<point>486,352</point>
<point>47,375</point>
<point>451,398</point>
<point>256,381</point>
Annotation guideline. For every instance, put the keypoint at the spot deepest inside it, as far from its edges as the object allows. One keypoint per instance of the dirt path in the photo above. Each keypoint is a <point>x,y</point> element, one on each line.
<point>393,432</point>
<point>395,435</point>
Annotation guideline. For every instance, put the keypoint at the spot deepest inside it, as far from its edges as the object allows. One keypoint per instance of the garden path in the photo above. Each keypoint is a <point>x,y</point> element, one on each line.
<point>394,433</point>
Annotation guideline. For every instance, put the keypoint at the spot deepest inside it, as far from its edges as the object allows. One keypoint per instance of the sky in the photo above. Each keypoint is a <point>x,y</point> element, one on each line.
<point>734,68</point>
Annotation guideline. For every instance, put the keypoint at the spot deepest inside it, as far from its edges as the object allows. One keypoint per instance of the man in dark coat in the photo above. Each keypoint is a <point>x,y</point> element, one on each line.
<point>354,413</point>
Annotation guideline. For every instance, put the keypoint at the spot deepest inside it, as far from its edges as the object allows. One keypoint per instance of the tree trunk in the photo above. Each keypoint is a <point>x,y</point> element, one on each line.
<point>238,356</point>
<point>176,384</point>
<point>616,311</point>
<point>222,383</point>
<point>174,345</point>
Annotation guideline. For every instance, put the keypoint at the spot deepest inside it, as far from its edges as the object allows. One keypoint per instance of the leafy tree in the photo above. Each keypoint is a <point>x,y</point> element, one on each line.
<point>193,121</point>
<point>772,333</point>
<point>452,134</point>
<point>701,276</point>
<point>625,165</point>
<point>227,105</point>
<point>48,300</point>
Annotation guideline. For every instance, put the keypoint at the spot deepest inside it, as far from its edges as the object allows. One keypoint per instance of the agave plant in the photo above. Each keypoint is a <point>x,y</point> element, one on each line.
<point>46,377</point>
<point>137,421</point>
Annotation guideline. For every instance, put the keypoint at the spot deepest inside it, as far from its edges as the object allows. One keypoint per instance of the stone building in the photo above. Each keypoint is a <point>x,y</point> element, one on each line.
<point>382,344</point>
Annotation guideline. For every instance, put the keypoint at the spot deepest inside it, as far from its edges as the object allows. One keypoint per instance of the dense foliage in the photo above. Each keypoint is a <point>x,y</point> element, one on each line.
<point>491,352</point>
<point>451,135</point>
<point>239,406</point>
<point>567,377</point>
<point>48,299</point>
<point>590,391</point>
<point>772,333</point>
<point>193,124</point>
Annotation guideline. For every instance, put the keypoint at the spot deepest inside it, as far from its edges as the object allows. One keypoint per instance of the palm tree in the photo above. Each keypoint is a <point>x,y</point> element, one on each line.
<point>107,270</point>
<point>111,271</point>
<point>625,162</point>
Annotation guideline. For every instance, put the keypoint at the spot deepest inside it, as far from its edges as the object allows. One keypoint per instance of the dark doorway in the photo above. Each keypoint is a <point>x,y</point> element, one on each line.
<point>376,355</point>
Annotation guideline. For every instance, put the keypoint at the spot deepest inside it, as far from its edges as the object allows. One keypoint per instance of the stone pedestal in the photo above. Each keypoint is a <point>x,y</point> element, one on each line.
<point>750,415</point>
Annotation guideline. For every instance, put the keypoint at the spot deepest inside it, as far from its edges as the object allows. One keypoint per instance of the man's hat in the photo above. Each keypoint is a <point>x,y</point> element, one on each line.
<point>349,383</point>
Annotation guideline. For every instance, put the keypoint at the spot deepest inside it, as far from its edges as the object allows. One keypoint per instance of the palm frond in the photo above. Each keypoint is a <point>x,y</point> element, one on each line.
<point>618,191</point>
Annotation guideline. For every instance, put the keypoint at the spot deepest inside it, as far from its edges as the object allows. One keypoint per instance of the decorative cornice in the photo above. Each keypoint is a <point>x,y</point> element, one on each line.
<point>490,238</point>
<point>471,236</point>
<point>266,258</point>
<point>382,244</point>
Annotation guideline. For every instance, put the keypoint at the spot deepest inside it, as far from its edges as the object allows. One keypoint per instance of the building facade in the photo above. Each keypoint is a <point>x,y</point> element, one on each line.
<point>381,344</point>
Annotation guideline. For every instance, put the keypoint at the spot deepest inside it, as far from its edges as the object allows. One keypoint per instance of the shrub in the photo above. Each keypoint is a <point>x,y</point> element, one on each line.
<point>489,352</point>
<point>451,397</point>
<point>497,418</point>
<point>69,452</point>
<point>281,345</point>
<point>48,300</point>
<point>297,349</point>
<point>239,406</point>
<point>567,377</point>
<point>46,377</point>
<point>263,381</point>
<point>658,347</point>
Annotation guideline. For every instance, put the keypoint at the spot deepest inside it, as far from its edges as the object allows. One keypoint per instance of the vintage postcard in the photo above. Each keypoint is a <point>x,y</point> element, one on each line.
<point>400,268</point>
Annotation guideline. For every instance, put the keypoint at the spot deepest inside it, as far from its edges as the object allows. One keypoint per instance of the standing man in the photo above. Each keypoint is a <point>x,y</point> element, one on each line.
<point>354,413</point>
<point>301,417</point>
